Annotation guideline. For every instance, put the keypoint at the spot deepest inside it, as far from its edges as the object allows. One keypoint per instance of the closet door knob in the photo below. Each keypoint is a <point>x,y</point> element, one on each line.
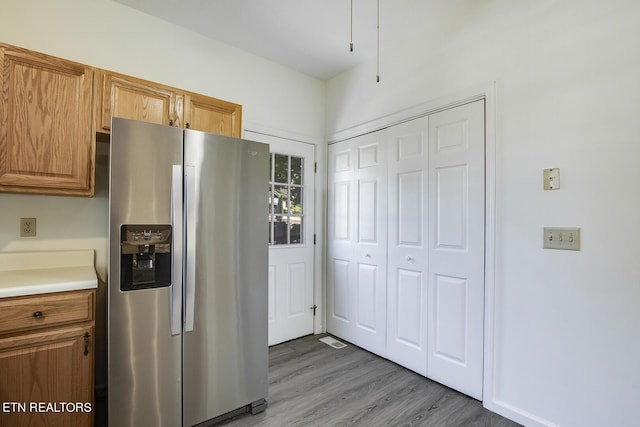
<point>409,258</point>
<point>367,255</point>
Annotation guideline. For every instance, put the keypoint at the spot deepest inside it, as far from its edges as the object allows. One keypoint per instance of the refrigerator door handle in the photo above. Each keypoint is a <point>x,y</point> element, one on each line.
<point>175,307</point>
<point>190,289</point>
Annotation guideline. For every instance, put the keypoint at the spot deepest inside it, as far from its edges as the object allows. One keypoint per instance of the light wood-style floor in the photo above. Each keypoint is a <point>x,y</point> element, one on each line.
<point>313,384</point>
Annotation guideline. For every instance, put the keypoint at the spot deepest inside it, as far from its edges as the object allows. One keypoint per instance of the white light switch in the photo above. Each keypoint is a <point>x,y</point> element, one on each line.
<point>562,238</point>
<point>551,178</point>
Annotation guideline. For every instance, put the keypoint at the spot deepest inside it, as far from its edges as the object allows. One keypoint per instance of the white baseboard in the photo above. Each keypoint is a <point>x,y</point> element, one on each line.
<point>517,414</point>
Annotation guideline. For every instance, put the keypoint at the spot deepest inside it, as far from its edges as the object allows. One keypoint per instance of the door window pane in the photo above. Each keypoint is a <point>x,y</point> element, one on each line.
<point>296,170</point>
<point>280,230</point>
<point>280,199</point>
<point>281,168</point>
<point>285,194</point>
<point>295,200</point>
<point>295,229</point>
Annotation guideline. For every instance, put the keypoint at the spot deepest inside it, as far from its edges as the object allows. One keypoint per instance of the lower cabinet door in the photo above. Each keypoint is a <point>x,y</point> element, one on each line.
<point>46,378</point>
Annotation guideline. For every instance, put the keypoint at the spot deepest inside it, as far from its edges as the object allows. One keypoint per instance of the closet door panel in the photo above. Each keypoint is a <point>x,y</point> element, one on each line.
<point>409,209</point>
<point>409,330</point>
<point>452,213</point>
<point>367,282</point>
<point>456,256</point>
<point>340,279</point>
<point>341,212</point>
<point>368,223</point>
<point>340,241</point>
<point>370,249</point>
<point>450,301</point>
<point>407,244</point>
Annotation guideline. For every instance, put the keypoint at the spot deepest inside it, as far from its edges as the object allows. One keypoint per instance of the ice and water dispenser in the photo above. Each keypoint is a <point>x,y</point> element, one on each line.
<point>145,256</point>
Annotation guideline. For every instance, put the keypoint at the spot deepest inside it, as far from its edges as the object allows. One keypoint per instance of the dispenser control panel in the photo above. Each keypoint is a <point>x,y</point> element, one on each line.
<point>145,256</point>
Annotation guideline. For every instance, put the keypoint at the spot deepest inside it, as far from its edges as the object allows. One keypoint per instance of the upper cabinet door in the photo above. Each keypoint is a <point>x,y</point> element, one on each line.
<point>136,99</point>
<point>46,141</point>
<point>212,115</point>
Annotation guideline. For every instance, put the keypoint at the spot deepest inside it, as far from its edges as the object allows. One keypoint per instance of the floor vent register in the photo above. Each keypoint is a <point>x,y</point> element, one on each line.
<point>330,341</point>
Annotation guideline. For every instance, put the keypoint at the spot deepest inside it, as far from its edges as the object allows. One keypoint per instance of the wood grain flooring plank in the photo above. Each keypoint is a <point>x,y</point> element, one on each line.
<point>312,384</point>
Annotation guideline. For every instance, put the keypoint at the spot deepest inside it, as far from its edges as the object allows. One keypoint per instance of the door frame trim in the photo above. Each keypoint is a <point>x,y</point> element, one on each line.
<point>487,92</point>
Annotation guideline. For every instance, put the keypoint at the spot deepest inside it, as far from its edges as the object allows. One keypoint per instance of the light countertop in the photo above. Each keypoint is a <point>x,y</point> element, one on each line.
<point>30,273</point>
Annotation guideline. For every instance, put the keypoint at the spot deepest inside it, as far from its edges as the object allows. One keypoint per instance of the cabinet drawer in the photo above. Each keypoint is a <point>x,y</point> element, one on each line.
<point>42,311</point>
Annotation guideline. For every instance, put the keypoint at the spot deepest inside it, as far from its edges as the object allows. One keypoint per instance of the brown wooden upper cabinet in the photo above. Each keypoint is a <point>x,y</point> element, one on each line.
<point>212,115</point>
<point>132,98</point>
<point>51,109</point>
<point>46,139</point>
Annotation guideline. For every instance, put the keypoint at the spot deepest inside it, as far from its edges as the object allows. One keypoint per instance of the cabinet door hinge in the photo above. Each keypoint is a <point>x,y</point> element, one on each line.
<point>314,239</point>
<point>315,167</point>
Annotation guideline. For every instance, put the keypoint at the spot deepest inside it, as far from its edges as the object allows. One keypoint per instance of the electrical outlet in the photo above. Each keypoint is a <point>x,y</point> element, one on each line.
<point>27,227</point>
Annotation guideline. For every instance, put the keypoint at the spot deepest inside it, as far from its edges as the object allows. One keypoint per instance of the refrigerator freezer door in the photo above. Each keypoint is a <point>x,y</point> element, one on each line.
<point>144,358</point>
<point>226,353</point>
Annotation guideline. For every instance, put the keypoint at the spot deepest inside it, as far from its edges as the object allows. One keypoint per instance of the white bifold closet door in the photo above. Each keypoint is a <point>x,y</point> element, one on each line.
<point>405,252</point>
<point>357,251</point>
<point>408,250</point>
<point>340,239</point>
<point>456,242</point>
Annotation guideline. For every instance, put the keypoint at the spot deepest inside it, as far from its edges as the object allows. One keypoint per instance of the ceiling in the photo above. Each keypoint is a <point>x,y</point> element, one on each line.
<point>311,36</point>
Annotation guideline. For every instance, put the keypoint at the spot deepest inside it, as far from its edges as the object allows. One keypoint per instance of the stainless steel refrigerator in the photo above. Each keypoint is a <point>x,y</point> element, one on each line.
<point>187,294</point>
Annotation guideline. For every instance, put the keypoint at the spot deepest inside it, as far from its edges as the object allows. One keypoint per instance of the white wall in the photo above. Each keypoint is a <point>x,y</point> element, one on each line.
<point>568,95</point>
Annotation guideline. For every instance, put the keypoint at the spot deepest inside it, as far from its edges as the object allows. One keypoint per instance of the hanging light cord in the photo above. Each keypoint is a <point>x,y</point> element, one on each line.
<point>377,38</point>
<point>351,41</point>
<point>378,46</point>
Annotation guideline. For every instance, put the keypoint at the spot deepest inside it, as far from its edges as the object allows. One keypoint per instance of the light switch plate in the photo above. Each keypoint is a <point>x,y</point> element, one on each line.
<point>567,238</point>
<point>551,179</point>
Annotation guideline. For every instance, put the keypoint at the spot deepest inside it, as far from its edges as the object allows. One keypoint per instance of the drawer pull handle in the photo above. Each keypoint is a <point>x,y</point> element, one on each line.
<point>37,315</point>
<point>86,343</point>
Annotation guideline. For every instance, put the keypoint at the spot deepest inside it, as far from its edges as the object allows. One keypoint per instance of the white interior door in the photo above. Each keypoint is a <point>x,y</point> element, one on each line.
<point>291,230</point>
<point>408,249</point>
<point>456,255</point>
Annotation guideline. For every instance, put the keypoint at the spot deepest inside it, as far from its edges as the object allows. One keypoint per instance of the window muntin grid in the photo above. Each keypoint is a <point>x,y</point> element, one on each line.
<point>286,189</point>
